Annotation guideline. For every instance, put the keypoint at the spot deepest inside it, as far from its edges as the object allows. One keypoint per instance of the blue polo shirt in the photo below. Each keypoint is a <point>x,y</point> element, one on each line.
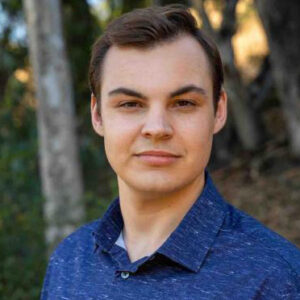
<point>216,252</point>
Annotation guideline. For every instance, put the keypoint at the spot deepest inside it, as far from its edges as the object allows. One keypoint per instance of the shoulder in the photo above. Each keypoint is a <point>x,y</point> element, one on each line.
<point>266,246</point>
<point>80,241</point>
<point>73,256</point>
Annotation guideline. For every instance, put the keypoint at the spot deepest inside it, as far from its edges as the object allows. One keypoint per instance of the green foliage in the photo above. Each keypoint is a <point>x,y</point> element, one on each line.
<point>22,247</point>
<point>21,224</point>
<point>128,5</point>
<point>81,30</point>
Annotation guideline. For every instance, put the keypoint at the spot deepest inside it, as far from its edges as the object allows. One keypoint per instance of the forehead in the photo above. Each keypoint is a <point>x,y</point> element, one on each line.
<point>159,69</point>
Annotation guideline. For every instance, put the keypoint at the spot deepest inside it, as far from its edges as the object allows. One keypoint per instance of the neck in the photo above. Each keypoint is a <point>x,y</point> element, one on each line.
<point>149,220</point>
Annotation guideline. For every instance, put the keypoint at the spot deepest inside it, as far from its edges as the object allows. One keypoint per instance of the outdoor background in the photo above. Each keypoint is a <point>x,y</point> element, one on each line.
<point>255,160</point>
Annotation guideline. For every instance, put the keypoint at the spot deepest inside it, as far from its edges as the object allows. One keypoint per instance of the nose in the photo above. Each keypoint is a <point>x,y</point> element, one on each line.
<point>156,125</point>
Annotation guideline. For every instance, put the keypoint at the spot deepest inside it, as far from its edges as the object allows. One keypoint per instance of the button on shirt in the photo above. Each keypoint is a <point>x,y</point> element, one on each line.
<point>216,252</point>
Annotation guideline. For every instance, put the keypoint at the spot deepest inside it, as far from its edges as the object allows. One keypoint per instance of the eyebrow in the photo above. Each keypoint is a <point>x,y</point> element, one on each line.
<point>126,91</point>
<point>188,89</point>
<point>178,92</point>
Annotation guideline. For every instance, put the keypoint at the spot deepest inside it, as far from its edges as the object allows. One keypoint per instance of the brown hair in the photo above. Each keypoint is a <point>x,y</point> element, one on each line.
<point>147,27</point>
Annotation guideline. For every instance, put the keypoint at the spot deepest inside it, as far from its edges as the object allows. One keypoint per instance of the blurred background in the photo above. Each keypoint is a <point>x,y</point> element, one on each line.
<point>53,172</point>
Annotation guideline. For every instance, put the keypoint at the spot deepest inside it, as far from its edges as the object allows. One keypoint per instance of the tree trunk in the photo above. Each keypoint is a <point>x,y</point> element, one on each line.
<point>248,126</point>
<point>58,149</point>
<point>282,24</point>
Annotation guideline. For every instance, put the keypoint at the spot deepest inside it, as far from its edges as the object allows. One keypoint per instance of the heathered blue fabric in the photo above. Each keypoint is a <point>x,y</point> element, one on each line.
<point>216,252</point>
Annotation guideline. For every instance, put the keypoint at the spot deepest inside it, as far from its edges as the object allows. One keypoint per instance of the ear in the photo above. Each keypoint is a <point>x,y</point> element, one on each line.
<point>221,112</point>
<point>96,116</point>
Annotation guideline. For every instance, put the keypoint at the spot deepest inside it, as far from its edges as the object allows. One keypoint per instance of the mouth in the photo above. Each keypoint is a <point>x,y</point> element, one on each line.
<point>157,158</point>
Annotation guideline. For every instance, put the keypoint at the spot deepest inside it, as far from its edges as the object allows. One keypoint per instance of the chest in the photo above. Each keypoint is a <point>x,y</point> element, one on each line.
<point>155,281</point>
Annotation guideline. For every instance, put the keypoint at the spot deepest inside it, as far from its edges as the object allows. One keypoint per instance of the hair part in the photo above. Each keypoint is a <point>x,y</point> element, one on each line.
<point>148,27</point>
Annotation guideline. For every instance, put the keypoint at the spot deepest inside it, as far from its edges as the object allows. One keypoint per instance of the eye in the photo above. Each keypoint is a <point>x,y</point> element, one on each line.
<point>129,104</point>
<point>184,102</point>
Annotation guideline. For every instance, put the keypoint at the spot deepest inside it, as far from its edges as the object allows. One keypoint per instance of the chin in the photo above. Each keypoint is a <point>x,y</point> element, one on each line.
<point>158,182</point>
<point>155,186</point>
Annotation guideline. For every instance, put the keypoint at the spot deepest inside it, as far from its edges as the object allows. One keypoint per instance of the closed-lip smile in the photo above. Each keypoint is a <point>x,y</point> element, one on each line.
<point>157,158</point>
<point>157,153</point>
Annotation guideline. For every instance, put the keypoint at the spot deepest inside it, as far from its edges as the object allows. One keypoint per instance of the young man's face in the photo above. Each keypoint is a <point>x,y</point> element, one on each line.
<point>158,99</point>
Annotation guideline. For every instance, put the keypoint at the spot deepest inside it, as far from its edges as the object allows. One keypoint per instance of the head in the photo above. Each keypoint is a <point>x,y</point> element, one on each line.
<point>156,84</point>
<point>146,28</point>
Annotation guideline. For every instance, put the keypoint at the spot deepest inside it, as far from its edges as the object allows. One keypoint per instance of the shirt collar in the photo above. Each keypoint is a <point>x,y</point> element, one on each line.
<point>190,242</point>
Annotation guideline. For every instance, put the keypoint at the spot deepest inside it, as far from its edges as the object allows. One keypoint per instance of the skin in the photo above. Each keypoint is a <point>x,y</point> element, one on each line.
<point>153,100</point>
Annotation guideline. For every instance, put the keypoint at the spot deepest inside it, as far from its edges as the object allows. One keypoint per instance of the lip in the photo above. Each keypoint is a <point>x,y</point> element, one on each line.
<point>157,157</point>
<point>157,153</point>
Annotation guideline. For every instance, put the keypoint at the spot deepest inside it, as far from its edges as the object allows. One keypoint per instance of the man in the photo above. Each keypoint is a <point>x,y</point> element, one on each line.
<point>157,99</point>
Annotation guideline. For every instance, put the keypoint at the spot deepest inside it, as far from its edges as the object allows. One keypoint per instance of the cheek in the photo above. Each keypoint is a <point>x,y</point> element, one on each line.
<point>115,149</point>
<point>118,124</point>
<point>118,137</point>
<point>197,137</point>
<point>197,130</point>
